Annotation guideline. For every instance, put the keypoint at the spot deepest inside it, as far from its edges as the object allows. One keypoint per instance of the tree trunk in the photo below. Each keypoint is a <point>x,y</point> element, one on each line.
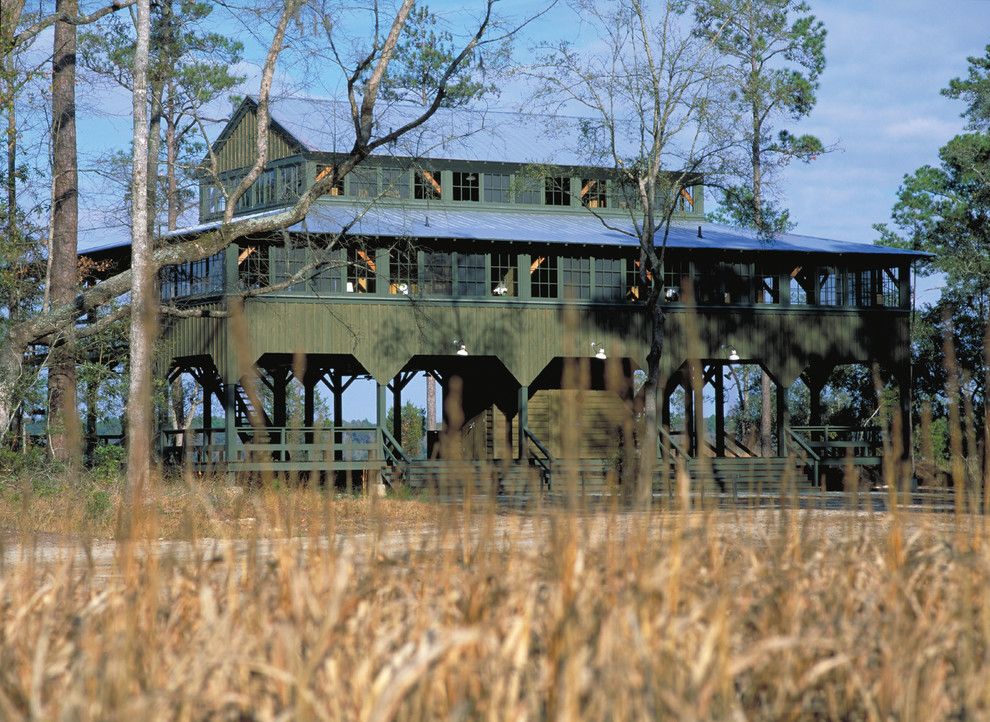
<point>143,311</point>
<point>766,415</point>
<point>63,416</point>
<point>431,403</point>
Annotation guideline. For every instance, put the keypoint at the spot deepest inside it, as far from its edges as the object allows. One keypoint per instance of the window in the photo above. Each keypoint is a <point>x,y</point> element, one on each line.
<point>195,278</point>
<point>828,292</point>
<point>215,201</point>
<point>437,279</point>
<point>245,201</point>
<point>593,193</point>
<point>504,269</point>
<point>466,186</point>
<point>166,282</point>
<point>329,277</point>
<point>625,195</point>
<point>767,286</point>
<point>426,185</point>
<point>557,191</point>
<point>575,277</point>
<point>395,183</point>
<point>496,187</point>
<point>674,274</point>
<point>684,200</point>
<point>636,289</point>
<point>801,286</point>
<point>337,189</point>
<point>736,284</point>
<point>264,190</point>
<point>889,288</point>
<point>290,182</point>
<point>610,282</point>
<point>252,266</point>
<point>361,270</point>
<point>471,279</point>
<point>543,277</point>
<point>362,183</point>
<point>404,272</point>
<point>528,190</point>
<point>285,263</point>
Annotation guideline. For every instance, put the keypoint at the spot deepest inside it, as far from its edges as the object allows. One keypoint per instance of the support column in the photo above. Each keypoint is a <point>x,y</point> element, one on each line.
<point>698,392</point>
<point>380,407</point>
<point>207,413</point>
<point>719,382</point>
<point>397,408</point>
<point>280,382</point>
<point>229,421</point>
<point>523,422</point>
<point>309,399</point>
<point>904,400</point>
<point>815,410</point>
<point>783,420</point>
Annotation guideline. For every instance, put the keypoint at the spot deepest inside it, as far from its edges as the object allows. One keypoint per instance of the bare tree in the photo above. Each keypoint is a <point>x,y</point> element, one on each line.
<point>650,91</point>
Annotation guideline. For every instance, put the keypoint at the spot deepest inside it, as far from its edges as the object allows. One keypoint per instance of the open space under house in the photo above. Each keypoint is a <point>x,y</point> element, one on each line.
<point>476,260</point>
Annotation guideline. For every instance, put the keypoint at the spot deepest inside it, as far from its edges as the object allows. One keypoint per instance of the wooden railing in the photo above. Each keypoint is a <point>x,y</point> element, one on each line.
<point>837,442</point>
<point>544,459</point>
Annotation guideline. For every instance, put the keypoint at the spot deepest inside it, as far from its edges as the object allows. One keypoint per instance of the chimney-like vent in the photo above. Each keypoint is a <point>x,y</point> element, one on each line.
<point>699,232</point>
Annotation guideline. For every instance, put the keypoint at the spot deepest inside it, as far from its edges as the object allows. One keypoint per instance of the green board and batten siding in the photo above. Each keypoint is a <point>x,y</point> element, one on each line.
<point>237,147</point>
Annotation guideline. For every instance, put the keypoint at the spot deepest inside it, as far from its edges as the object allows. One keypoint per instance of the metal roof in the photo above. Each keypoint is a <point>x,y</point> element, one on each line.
<point>472,134</point>
<point>422,223</point>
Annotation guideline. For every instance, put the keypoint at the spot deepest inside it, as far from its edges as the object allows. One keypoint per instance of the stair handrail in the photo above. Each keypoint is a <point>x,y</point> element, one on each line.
<point>665,435</point>
<point>813,459</point>
<point>393,449</point>
<point>546,461</point>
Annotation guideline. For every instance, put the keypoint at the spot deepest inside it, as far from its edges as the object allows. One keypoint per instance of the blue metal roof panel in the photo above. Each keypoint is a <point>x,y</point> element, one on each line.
<point>545,227</point>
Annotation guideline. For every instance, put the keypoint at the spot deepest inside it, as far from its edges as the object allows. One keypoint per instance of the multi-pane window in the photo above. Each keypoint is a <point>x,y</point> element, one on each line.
<point>505,266</point>
<point>557,190</point>
<point>767,285</point>
<point>684,200</point>
<point>361,270</point>
<point>215,200</point>
<point>801,286</point>
<point>575,278</point>
<point>543,277</point>
<point>466,186</point>
<point>285,264</point>
<point>195,278</point>
<point>395,183</point>
<point>362,183</point>
<point>471,279</point>
<point>889,290</point>
<point>593,193</point>
<point>253,266</point>
<point>264,188</point>
<point>610,282</point>
<point>674,274</point>
<point>529,190</point>
<point>245,201</point>
<point>496,187</point>
<point>437,276</point>
<point>404,272</point>
<point>329,277</point>
<point>290,182</point>
<point>337,189</point>
<point>637,284</point>
<point>426,185</point>
<point>736,285</point>
<point>828,291</point>
<point>625,195</point>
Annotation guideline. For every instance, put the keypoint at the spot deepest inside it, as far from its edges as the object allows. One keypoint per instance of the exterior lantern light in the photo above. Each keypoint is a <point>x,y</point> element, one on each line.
<point>461,348</point>
<point>501,289</point>
<point>599,350</point>
<point>733,354</point>
<point>404,289</point>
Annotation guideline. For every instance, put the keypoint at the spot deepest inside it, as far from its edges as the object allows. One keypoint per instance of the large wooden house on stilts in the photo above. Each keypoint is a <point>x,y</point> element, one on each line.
<point>476,258</point>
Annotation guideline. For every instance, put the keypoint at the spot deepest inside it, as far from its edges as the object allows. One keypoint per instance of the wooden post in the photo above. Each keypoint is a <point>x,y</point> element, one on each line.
<point>783,422</point>
<point>229,424</point>
<point>523,422</point>
<point>380,407</point>
<point>698,390</point>
<point>719,410</point>
<point>280,382</point>
<point>397,408</point>
<point>815,391</point>
<point>689,419</point>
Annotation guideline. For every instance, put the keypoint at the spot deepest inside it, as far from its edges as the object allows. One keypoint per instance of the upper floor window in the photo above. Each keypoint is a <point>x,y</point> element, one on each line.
<point>528,190</point>
<point>215,200</point>
<point>575,278</point>
<point>496,187</point>
<point>543,277</point>
<point>337,189</point>
<point>264,190</point>
<point>437,276</point>
<point>610,282</point>
<point>361,270</point>
<point>426,185</point>
<point>684,200</point>
<point>888,294</point>
<point>802,286</point>
<point>404,272</point>
<point>395,183</point>
<point>625,195</point>
<point>827,287</point>
<point>505,267</point>
<point>767,285</point>
<point>593,193</point>
<point>362,183</point>
<point>290,182</point>
<point>557,190</point>
<point>466,186</point>
<point>471,279</point>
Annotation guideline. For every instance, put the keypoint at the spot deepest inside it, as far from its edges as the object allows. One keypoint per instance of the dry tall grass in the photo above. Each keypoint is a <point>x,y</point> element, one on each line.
<point>553,614</point>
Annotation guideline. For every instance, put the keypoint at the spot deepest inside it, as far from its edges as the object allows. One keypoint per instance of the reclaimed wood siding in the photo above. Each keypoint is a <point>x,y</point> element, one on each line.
<point>239,148</point>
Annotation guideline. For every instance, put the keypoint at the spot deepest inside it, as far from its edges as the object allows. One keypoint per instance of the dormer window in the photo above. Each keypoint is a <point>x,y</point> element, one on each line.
<point>337,189</point>
<point>362,183</point>
<point>557,190</point>
<point>466,187</point>
<point>426,185</point>
<point>593,193</point>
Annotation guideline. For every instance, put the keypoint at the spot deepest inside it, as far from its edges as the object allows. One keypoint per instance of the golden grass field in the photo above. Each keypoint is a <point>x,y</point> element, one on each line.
<point>294,604</point>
